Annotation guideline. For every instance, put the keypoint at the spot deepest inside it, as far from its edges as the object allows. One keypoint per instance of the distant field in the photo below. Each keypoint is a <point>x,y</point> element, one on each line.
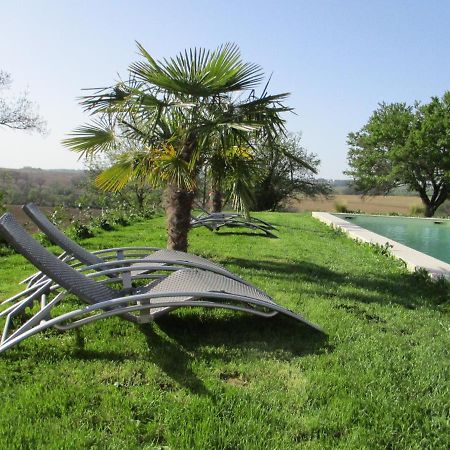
<point>378,204</point>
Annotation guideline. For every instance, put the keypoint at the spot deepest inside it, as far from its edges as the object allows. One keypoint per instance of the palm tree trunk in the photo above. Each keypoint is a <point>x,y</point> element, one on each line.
<point>216,200</point>
<point>178,205</point>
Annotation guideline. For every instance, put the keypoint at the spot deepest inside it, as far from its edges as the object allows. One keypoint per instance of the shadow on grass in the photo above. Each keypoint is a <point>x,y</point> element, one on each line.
<point>163,351</point>
<point>173,359</point>
<point>406,289</point>
<point>190,337</point>
<point>202,334</point>
<point>176,341</point>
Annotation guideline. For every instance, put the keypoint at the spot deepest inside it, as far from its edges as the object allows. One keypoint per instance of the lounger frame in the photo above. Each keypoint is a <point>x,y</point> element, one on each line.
<point>183,288</point>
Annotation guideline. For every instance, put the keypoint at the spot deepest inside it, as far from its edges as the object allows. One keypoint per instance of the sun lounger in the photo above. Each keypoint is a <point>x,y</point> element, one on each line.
<point>215,221</point>
<point>112,258</point>
<point>183,288</point>
<point>223,216</point>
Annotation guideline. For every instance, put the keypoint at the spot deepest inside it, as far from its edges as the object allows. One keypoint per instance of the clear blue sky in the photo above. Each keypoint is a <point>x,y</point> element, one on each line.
<point>338,58</point>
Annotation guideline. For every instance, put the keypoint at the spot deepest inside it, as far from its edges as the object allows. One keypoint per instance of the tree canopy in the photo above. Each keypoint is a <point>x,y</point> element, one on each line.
<point>286,168</point>
<point>403,145</point>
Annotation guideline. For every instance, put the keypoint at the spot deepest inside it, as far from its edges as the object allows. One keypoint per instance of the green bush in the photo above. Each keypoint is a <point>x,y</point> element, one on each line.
<point>341,208</point>
<point>121,220</point>
<point>79,231</point>
<point>105,224</point>
<point>417,211</point>
<point>444,209</point>
<point>43,239</point>
<point>59,216</point>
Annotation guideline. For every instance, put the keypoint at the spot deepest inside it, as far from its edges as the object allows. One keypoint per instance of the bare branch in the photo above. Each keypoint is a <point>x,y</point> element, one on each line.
<point>19,113</point>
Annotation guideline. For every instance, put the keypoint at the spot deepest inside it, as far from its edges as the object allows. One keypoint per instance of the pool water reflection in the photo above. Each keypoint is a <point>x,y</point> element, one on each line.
<point>430,236</point>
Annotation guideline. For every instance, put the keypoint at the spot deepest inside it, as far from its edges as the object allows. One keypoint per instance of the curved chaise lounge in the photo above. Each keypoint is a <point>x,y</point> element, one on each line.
<point>112,258</point>
<point>183,288</point>
<point>215,221</point>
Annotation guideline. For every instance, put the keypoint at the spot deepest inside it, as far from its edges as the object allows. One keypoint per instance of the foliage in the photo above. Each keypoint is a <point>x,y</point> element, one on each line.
<point>286,169</point>
<point>405,145</point>
<point>213,379</point>
<point>43,187</point>
<point>444,209</point>
<point>341,208</point>
<point>18,113</point>
<point>168,119</point>
<point>231,171</point>
<point>383,249</point>
<point>71,188</point>
<point>136,193</point>
<point>417,211</point>
<point>79,230</point>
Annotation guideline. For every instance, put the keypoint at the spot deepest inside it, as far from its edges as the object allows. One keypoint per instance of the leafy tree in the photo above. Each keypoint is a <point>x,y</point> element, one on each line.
<point>404,145</point>
<point>18,112</point>
<point>285,169</point>
<point>170,111</point>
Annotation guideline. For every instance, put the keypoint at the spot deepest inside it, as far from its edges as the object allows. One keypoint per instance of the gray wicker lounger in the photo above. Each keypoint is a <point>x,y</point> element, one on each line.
<point>215,221</point>
<point>185,287</point>
<point>113,258</point>
<point>205,214</point>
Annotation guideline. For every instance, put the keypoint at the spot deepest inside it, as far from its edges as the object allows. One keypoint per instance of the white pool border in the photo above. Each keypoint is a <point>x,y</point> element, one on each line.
<point>413,258</point>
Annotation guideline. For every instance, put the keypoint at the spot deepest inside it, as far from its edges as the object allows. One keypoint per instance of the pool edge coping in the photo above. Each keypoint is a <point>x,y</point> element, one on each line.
<point>413,258</point>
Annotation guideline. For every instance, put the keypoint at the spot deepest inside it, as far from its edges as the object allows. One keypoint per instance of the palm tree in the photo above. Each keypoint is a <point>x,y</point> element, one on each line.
<point>167,115</point>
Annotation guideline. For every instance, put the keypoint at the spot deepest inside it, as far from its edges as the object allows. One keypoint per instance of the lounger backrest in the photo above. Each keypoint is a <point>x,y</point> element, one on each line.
<point>58,238</point>
<point>73,281</point>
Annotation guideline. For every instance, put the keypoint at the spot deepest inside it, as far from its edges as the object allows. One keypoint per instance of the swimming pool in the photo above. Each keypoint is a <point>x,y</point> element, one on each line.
<point>430,236</point>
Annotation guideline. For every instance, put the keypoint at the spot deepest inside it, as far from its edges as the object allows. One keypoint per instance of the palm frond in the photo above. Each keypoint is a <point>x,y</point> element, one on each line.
<point>92,138</point>
<point>116,177</point>
<point>106,99</point>
<point>199,72</point>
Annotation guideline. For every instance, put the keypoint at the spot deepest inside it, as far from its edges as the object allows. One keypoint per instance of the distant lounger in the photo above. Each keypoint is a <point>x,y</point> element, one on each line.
<point>183,288</point>
<point>215,221</point>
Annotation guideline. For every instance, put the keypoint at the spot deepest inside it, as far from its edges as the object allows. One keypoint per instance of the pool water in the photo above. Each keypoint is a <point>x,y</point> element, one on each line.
<point>430,236</point>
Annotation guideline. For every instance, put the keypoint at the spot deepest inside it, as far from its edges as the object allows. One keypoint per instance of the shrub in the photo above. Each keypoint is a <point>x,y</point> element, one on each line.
<point>340,207</point>
<point>104,223</point>
<point>444,209</point>
<point>417,210</point>
<point>79,231</point>
<point>384,250</point>
<point>59,216</point>
<point>43,239</point>
<point>121,220</point>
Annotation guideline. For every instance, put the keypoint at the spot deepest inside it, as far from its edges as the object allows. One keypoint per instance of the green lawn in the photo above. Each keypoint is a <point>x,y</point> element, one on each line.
<point>222,380</point>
